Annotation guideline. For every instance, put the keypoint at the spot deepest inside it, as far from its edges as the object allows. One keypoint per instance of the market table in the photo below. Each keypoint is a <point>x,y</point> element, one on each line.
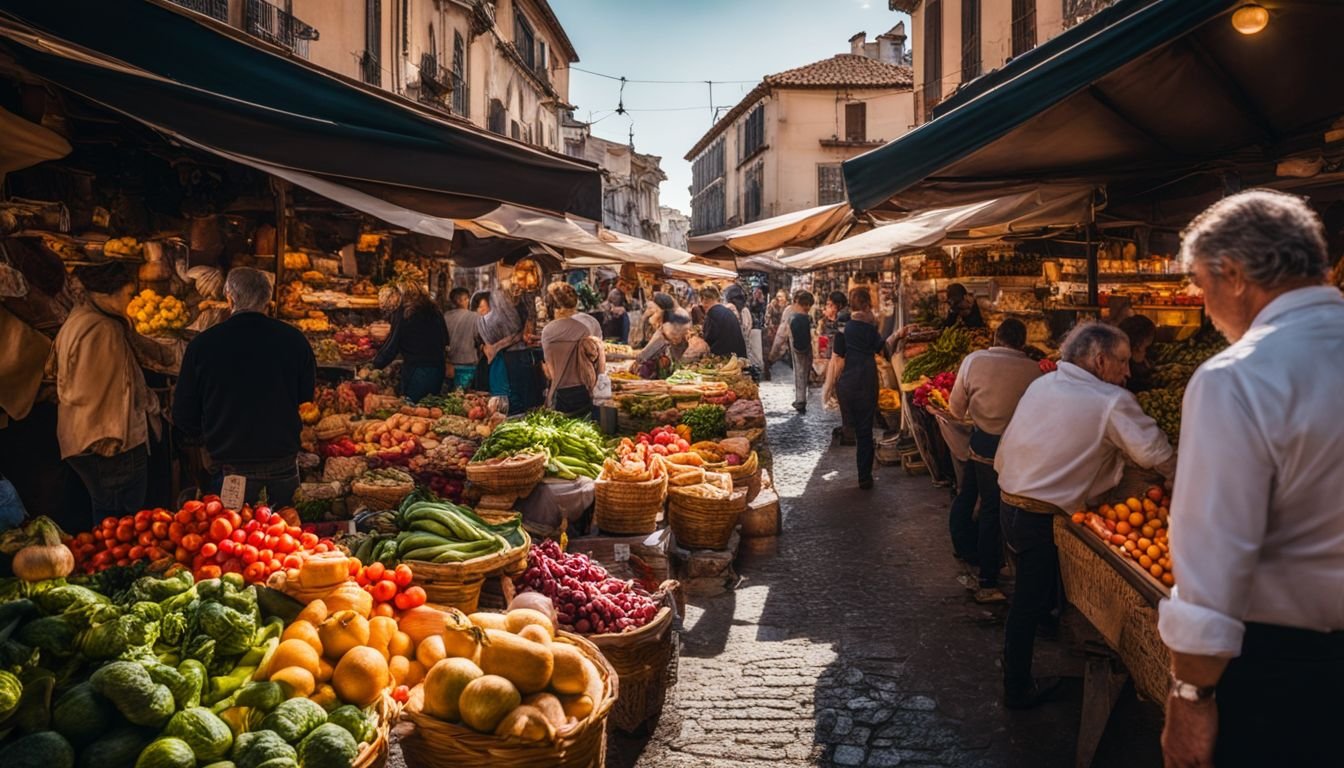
<point>1120,602</point>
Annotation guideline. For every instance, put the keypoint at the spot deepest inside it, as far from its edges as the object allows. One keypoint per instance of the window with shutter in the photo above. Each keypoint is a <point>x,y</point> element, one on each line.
<point>524,39</point>
<point>1024,26</point>
<point>933,55</point>
<point>856,122</point>
<point>970,40</point>
<point>830,184</point>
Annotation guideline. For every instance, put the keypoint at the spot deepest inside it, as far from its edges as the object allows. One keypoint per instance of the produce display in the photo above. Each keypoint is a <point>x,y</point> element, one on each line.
<point>153,314</point>
<point>1174,364</point>
<point>355,345</point>
<point>574,446</point>
<point>1137,530</point>
<point>707,422</point>
<point>437,531</point>
<point>660,441</point>
<point>945,353</point>
<point>745,414</point>
<point>888,400</point>
<point>587,599</point>
<point>935,391</point>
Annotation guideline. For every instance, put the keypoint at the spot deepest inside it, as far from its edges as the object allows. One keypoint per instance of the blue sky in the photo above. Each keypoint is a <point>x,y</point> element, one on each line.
<point>697,40</point>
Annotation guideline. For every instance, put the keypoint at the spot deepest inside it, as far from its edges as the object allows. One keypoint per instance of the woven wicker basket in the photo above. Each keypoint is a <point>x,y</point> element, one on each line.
<point>379,496</point>
<point>642,660</point>
<point>745,475</point>
<point>700,523</point>
<point>629,508</point>
<point>458,585</point>
<point>514,479</point>
<point>374,754</point>
<point>434,742</point>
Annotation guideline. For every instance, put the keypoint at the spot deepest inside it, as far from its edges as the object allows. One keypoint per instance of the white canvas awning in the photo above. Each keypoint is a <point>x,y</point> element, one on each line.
<point>561,233</point>
<point>790,229</point>
<point>1033,211</point>
<point>694,270</point>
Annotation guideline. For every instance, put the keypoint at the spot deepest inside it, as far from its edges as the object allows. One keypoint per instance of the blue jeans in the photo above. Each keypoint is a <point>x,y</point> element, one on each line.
<point>279,478</point>
<point>12,512</point>
<point>116,484</point>
<point>1031,537</point>
<point>464,375</point>
<point>961,518</point>
<point>989,542</point>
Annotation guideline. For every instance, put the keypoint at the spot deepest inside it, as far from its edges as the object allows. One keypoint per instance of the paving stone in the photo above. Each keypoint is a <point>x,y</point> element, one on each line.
<point>848,755</point>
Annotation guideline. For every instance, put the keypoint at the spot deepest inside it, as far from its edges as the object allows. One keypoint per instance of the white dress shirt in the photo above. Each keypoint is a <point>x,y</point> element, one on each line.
<point>1069,437</point>
<point>989,386</point>
<point>1257,518</point>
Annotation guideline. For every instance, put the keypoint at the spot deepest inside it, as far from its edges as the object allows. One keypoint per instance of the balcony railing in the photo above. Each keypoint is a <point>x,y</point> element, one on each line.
<point>440,86</point>
<point>274,25</point>
<point>215,9</point>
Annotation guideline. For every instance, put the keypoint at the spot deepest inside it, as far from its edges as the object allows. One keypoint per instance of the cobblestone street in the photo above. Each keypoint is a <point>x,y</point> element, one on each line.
<point>853,644</point>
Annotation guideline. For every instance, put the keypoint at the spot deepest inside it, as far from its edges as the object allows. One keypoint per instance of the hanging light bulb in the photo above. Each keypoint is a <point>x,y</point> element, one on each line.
<point>1250,19</point>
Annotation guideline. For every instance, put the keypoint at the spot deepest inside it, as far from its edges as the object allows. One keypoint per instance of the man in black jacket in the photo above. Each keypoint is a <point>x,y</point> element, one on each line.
<point>722,330</point>
<point>240,389</point>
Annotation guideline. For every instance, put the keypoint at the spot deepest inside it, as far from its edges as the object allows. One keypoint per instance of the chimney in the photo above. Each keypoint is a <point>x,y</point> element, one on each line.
<point>891,45</point>
<point>857,42</point>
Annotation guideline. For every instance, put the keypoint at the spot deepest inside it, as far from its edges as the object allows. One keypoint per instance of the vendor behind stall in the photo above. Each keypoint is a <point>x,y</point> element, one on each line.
<point>107,412</point>
<point>572,345</point>
<point>462,339</point>
<point>1067,443</point>
<point>674,341</point>
<point>241,386</point>
<point>1141,332</point>
<point>962,308</point>
<point>420,338</point>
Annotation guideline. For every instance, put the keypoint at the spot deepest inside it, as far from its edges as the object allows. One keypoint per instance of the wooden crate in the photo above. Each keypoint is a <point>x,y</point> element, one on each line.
<point>623,555</point>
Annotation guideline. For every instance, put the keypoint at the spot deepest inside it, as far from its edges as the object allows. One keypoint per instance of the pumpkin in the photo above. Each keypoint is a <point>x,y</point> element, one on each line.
<point>360,676</point>
<point>40,555</point>
<point>349,596</point>
<point>305,632</point>
<point>526,664</point>
<point>516,619</point>
<point>381,630</point>
<point>342,631</point>
<point>324,670</point>
<point>314,613</point>
<point>296,680</point>
<point>400,645</point>
<point>430,651</point>
<point>296,653</point>
<point>486,701</point>
<point>526,724</point>
<point>398,667</point>
<point>444,685</point>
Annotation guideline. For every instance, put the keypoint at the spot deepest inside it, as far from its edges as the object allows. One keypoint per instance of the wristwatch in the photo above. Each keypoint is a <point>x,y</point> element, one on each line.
<point>1188,692</point>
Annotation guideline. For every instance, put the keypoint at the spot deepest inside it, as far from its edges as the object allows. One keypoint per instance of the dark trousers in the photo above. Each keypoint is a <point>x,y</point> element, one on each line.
<point>989,541</point>
<point>279,478</point>
<point>961,518</point>
<point>525,387</point>
<point>418,381</point>
<point>1278,702</point>
<point>116,484</point>
<point>1031,538</point>
<point>575,402</point>
<point>858,408</point>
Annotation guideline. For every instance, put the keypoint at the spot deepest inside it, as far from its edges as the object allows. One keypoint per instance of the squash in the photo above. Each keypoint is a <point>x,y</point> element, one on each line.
<point>314,613</point>
<point>486,620</point>
<point>43,556</point>
<point>117,749</point>
<point>324,670</point>
<point>167,753</point>
<point>526,664</point>
<point>421,622</point>
<point>401,645</point>
<point>323,570</point>
<point>536,633</point>
<point>580,706</point>
<point>550,707</point>
<point>11,690</point>
<point>381,630</point>
<point>444,685</point>
<point>349,596</point>
<point>516,619</point>
<point>263,696</point>
<point>297,681</point>
<point>352,719</point>
<point>486,701</point>
<point>302,630</point>
<point>296,653</point>
<point>398,667</point>
<point>80,715</point>
<point>568,675</point>
<point>360,676</point>
<point>461,638</point>
<point>44,749</point>
<point>135,694</point>
<point>326,697</point>
<point>328,746</point>
<point>415,674</point>
<point>431,651</point>
<point>251,750</point>
<point>208,736</point>
<point>526,724</point>
<point>342,631</point>
<point>293,719</point>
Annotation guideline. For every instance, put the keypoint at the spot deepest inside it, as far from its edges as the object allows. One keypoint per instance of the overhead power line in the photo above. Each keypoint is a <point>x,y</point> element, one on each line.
<point>659,82</point>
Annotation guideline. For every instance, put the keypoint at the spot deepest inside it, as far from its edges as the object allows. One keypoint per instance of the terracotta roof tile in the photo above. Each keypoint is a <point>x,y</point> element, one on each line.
<point>845,70</point>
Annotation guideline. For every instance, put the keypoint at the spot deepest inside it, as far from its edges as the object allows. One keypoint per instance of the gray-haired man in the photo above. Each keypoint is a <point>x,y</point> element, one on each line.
<point>1066,443</point>
<point>241,386</point>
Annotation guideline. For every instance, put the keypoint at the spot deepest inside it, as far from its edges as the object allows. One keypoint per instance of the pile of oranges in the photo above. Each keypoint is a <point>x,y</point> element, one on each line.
<point>1137,529</point>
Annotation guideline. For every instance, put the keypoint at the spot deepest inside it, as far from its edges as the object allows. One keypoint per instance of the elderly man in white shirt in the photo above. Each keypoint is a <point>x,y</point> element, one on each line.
<point>1066,443</point>
<point>1255,622</point>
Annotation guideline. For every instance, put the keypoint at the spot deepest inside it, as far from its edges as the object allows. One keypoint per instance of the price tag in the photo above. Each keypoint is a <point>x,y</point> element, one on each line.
<point>620,552</point>
<point>233,493</point>
<point>350,527</point>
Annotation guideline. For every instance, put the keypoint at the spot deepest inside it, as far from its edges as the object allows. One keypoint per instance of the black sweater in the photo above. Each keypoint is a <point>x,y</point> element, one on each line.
<point>241,386</point>
<point>723,332</point>
<point>421,339</point>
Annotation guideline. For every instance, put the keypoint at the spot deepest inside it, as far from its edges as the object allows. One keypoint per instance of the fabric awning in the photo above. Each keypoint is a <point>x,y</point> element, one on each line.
<point>1149,90</point>
<point>1029,212</point>
<point>790,229</point>
<point>192,77</point>
<point>563,234</point>
<point>697,270</point>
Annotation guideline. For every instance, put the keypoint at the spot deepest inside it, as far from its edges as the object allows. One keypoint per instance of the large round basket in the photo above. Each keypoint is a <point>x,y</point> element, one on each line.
<point>642,659</point>
<point>374,753</point>
<point>433,742</point>
<point>508,479</point>
<point>628,508</point>
<point>379,496</point>
<point>702,523</point>
<point>458,585</point>
<point>745,475</point>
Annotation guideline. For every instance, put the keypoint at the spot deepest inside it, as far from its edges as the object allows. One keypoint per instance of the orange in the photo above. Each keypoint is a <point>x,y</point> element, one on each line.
<point>1108,512</point>
<point>1147,531</point>
<point>1136,519</point>
<point>1168,579</point>
<point>1130,546</point>
<point>1157,524</point>
<point>1145,561</point>
<point>1121,512</point>
<point>1117,539</point>
<point>1149,508</point>
<point>1134,504</point>
<point>1123,528</point>
<point>1156,570</point>
<point>1144,543</point>
<point>1154,552</point>
<point>1133,536</point>
<point>1077,517</point>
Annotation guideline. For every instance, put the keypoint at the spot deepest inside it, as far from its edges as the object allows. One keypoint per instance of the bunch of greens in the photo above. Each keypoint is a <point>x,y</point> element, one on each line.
<point>707,422</point>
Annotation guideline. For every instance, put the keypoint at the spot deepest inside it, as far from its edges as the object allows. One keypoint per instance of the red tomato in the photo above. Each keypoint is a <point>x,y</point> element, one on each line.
<point>265,554</point>
<point>256,539</point>
<point>292,561</point>
<point>145,538</point>
<point>182,555</point>
<point>209,572</point>
<point>254,572</point>
<point>384,590</point>
<point>193,504</point>
<point>321,546</point>
<point>213,507</point>
<point>249,554</point>
<point>374,571</point>
<point>276,528</point>
<point>261,515</point>
<point>221,528</point>
<point>137,552</point>
<point>184,515</point>
<point>209,548</point>
<point>110,523</point>
<point>402,602</point>
<point>402,575</point>
<point>286,544</point>
<point>416,595</point>
<point>308,540</point>
<point>226,546</point>
<point>356,567</point>
<point>159,529</point>
<point>402,694</point>
<point>232,565</point>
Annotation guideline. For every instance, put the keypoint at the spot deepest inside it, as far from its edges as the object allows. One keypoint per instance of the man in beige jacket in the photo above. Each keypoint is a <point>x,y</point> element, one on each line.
<point>106,410</point>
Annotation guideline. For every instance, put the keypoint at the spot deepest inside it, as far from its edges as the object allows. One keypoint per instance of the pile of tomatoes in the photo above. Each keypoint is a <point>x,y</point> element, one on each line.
<point>203,536</point>
<point>390,587</point>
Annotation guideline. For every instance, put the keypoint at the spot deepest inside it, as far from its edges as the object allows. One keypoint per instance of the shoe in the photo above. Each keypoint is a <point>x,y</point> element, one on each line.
<point>968,581</point>
<point>986,595</point>
<point>800,407</point>
<point>1042,690</point>
<point>866,485</point>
